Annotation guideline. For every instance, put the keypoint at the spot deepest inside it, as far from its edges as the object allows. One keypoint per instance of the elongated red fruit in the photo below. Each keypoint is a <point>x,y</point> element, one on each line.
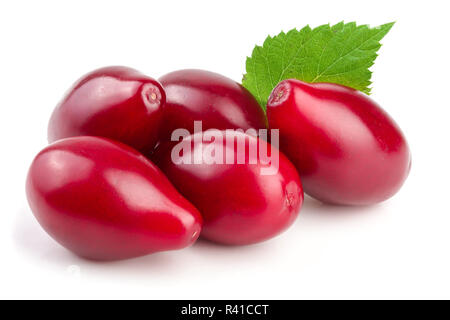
<point>119,103</point>
<point>345,147</point>
<point>217,101</point>
<point>242,201</point>
<point>103,200</point>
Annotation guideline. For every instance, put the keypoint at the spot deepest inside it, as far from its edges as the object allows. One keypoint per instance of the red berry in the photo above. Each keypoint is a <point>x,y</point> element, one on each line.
<point>345,147</point>
<point>217,101</point>
<point>241,202</point>
<point>118,103</point>
<point>103,200</point>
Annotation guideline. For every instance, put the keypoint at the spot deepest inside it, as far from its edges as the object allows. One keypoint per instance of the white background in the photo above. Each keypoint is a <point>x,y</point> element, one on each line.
<point>398,249</point>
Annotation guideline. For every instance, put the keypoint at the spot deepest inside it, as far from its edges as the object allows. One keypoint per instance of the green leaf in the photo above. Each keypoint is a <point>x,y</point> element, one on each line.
<point>341,54</point>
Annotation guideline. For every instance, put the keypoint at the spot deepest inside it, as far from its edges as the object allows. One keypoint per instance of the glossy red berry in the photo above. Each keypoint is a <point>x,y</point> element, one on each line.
<point>119,103</point>
<point>217,101</point>
<point>345,147</point>
<point>241,201</point>
<point>103,200</point>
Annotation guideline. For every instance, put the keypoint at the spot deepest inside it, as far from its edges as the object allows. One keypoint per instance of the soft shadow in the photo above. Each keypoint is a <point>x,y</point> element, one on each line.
<point>250,255</point>
<point>205,245</point>
<point>312,206</point>
<point>141,267</point>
